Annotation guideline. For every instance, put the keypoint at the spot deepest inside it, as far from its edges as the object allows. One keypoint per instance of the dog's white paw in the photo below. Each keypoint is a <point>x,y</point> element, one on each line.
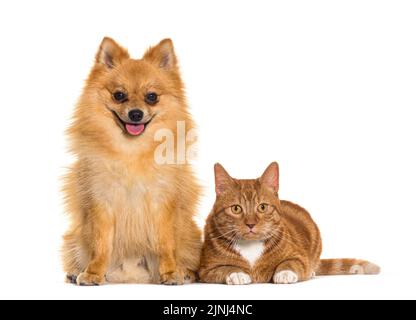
<point>238,278</point>
<point>285,277</point>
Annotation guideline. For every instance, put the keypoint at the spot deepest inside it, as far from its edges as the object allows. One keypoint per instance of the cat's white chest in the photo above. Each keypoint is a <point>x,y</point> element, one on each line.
<point>251,250</point>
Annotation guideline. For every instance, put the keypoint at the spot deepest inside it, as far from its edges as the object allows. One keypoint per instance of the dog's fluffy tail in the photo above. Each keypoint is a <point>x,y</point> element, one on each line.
<point>346,266</point>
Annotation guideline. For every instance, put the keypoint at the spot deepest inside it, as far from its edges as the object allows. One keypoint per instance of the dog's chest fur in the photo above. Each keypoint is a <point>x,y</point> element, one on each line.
<point>134,199</point>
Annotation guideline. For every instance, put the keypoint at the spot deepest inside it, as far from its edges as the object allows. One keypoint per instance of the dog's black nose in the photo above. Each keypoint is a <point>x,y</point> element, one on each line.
<point>136,115</point>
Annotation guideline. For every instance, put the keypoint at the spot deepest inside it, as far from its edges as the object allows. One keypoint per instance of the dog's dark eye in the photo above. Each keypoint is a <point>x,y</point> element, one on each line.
<point>120,96</point>
<point>151,98</point>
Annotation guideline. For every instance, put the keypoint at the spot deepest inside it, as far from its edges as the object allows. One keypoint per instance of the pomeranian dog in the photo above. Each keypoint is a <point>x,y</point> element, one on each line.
<point>131,217</point>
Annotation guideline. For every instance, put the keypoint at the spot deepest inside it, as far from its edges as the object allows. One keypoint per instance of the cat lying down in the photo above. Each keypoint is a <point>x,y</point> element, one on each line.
<point>253,237</point>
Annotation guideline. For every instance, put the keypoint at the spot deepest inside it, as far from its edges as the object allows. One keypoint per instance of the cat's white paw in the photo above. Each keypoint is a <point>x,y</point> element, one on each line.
<point>285,277</point>
<point>238,278</point>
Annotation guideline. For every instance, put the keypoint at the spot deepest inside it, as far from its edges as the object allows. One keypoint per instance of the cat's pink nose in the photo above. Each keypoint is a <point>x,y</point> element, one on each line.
<point>251,226</point>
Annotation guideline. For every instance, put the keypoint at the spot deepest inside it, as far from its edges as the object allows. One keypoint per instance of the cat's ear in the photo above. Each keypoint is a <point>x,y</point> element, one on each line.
<point>270,177</point>
<point>222,179</point>
<point>162,55</point>
<point>110,53</point>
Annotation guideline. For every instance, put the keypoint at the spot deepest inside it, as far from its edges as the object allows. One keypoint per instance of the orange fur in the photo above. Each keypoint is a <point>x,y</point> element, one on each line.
<point>284,245</point>
<point>123,205</point>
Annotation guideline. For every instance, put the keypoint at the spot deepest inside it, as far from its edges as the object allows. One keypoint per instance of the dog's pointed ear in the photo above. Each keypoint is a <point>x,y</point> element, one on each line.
<point>270,177</point>
<point>222,179</point>
<point>111,53</point>
<point>162,55</point>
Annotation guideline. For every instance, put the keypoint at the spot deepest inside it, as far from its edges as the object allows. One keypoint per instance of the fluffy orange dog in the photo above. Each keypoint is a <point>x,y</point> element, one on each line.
<point>131,218</point>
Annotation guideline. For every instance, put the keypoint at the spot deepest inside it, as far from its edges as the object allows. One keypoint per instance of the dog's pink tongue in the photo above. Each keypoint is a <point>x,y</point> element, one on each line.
<point>135,129</point>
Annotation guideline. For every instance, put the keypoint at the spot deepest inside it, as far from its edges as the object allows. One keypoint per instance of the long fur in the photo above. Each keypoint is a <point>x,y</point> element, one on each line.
<point>123,206</point>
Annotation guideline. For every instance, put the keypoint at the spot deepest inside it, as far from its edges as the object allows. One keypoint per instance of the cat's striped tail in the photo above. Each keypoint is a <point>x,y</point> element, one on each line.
<point>334,267</point>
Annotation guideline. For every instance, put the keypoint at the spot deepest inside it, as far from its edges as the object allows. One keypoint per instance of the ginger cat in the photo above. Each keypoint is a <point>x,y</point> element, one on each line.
<point>131,217</point>
<point>253,237</point>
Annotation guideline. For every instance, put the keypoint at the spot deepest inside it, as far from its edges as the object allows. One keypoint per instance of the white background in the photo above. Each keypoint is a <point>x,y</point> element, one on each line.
<point>326,88</point>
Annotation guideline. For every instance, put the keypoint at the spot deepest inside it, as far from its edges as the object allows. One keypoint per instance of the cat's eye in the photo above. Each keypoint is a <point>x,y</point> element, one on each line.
<point>236,209</point>
<point>151,98</point>
<point>120,96</point>
<point>262,208</point>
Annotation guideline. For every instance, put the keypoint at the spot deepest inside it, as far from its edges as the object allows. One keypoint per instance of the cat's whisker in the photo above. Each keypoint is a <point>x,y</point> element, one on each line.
<point>276,240</point>
<point>290,235</point>
<point>288,238</point>
<point>223,235</point>
<point>232,244</point>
